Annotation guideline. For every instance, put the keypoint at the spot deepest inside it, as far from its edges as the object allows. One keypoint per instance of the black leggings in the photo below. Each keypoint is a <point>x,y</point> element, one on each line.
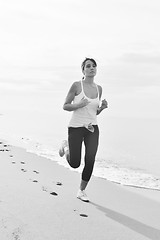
<point>75,138</point>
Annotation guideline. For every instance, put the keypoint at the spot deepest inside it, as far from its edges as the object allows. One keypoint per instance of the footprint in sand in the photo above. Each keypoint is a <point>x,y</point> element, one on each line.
<point>45,189</point>
<point>35,181</point>
<point>83,215</point>
<point>54,193</point>
<point>17,233</point>
<point>59,184</point>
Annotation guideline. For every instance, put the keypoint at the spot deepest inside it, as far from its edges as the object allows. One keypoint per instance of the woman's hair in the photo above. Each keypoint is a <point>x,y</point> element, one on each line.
<point>85,60</point>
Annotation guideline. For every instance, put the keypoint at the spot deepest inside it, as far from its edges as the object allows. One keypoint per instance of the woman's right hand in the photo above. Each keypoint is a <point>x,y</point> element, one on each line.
<point>83,102</point>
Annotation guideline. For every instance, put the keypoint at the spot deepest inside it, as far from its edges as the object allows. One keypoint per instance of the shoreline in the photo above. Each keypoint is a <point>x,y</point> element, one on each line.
<point>146,190</point>
<point>125,176</point>
<point>38,201</point>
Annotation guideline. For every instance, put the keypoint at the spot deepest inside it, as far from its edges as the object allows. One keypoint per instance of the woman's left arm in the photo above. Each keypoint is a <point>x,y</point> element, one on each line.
<point>104,103</point>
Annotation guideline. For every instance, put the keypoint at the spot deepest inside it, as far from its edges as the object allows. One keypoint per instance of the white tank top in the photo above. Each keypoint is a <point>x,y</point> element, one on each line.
<point>86,115</point>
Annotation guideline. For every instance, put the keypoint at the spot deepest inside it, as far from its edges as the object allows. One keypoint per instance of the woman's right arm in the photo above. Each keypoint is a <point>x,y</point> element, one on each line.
<point>68,105</point>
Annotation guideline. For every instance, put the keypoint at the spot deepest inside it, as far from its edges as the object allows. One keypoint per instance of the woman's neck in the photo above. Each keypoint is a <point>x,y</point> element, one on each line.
<point>89,80</point>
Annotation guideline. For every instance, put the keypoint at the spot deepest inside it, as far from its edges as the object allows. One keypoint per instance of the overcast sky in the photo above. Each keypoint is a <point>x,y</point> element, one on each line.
<point>49,32</point>
<point>39,36</point>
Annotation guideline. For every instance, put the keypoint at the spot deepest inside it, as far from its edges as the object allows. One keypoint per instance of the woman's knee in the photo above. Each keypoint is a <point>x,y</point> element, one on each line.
<point>74,164</point>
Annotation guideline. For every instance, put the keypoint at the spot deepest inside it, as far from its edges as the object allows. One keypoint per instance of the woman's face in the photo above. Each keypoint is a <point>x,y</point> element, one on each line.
<point>90,69</point>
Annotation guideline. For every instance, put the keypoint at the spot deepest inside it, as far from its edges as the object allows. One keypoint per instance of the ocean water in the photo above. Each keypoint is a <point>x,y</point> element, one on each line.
<point>128,151</point>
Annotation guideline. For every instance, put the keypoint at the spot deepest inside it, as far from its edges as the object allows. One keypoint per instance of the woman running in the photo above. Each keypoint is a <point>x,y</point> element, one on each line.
<point>83,99</point>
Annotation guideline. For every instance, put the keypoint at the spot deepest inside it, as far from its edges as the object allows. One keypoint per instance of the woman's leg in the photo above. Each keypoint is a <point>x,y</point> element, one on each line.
<point>75,138</point>
<point>91,145</point>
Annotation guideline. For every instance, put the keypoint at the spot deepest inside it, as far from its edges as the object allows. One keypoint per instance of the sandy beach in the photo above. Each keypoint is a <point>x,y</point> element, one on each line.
<point>38,202</point>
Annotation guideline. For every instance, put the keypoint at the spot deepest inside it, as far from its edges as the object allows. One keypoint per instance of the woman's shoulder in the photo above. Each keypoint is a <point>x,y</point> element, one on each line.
<point>77,87</point>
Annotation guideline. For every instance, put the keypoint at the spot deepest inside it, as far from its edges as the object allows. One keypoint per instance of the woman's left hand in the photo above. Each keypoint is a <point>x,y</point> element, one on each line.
<point>104,104</point>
